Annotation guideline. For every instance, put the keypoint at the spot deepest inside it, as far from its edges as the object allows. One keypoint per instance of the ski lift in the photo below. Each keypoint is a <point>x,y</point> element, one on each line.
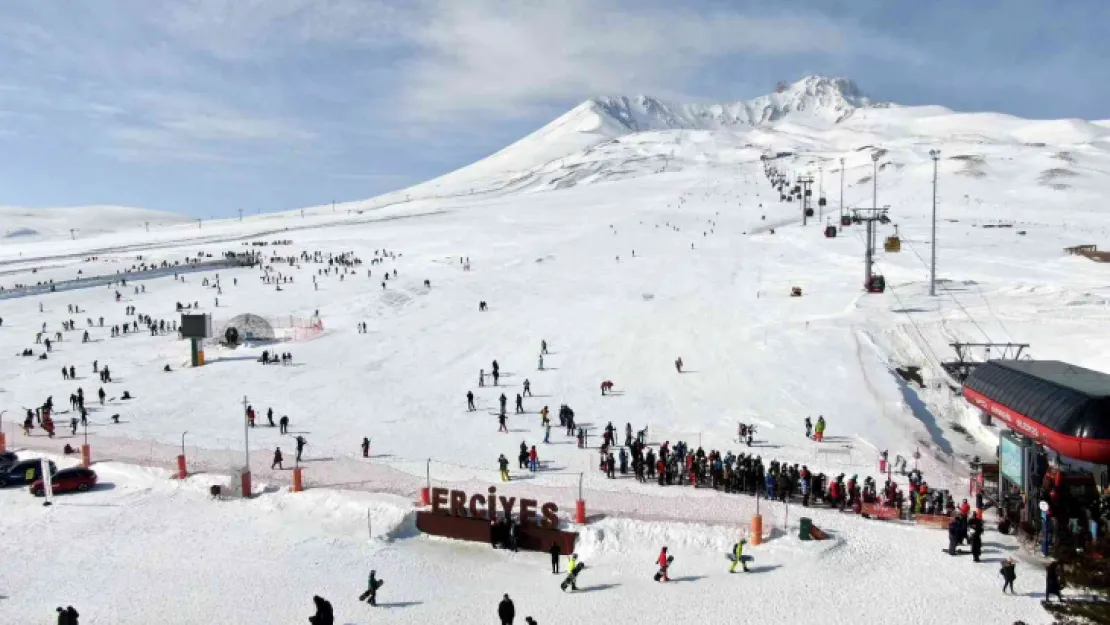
<point>830,231</point>
<point>797,189</point>
<point>809,192</point>
<point>790,198</point>
<point>893,243</point>
<point>821,202</point>
<point>782,198</point>
<point>845,221</point>
<point>809,212</point>
<point>877,284</point>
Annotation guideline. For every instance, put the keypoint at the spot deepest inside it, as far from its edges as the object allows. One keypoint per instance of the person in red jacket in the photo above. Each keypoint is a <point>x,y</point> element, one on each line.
<point>664,562</point>
<point>965,508</point>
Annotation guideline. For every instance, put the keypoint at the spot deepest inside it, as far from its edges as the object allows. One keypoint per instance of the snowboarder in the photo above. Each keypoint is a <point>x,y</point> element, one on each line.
<point>470,401</point>
<point>277,459</point>
<point>372,586</point>
<point>664,561</point>
<point>324,614</point>
<point>301,442</point>
<point>503,464</point>
<point>1009,575</point>
<point>574,567</point>
<point>506,611</point>
<point>737,556</point>
<point>365,447</point>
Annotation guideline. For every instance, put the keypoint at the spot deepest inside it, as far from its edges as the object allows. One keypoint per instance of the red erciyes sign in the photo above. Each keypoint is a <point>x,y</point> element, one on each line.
<point>457,503</point>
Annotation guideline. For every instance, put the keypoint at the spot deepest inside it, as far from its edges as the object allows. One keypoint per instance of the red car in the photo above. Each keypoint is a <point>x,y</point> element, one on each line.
<point>66,481</point>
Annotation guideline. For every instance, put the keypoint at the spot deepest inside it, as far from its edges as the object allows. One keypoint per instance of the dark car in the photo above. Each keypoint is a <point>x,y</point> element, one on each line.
<point>8,458</point>
<point>77,479</point>
<point>23,473</point>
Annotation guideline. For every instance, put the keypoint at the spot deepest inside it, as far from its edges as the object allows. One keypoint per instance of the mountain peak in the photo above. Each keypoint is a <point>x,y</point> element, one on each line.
<point>814,100</point>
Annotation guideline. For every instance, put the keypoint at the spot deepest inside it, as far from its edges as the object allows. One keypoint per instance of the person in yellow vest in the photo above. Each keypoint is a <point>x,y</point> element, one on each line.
<point>819,430</point>
<point>503,464</point>
<point>738,556</point>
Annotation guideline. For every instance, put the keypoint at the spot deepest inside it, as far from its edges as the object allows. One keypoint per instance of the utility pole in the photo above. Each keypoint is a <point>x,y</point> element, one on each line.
<point>842,190</point>
<point>147,226</point>
<point>933,265</point>
<point>72,236</point>
<point>820,190</point>
<point>874,193</point>
<point>246,448</point>
<point>805,181</point>
<point>869,216</point>
<point>240,214</point>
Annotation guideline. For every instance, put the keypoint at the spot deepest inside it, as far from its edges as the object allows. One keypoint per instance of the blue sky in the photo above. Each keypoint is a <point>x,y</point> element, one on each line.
<point>209,106</point>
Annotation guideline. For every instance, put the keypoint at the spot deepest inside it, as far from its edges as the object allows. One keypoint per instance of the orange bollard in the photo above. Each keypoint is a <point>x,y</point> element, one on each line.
<point>181,472</point>
<point>245,484</point>
<point>757,530</point>
<point>298,485</point>
<point>86,456</point>
<point>3,442</point>
<point>425,496</point>
<point>580,512</point>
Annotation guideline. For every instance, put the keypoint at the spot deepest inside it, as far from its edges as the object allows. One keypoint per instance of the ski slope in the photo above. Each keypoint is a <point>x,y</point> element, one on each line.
<point>549,227</point>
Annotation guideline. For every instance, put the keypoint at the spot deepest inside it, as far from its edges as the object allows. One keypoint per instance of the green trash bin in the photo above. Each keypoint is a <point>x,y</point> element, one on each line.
<point>804,527</point>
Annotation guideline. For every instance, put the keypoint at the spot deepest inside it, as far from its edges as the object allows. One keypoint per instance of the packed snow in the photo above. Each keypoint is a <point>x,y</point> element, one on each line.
<point>624,250</point>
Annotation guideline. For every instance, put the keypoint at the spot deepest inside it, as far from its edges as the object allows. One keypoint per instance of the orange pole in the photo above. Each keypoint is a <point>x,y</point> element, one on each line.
<point>182,473</point>
<point>3,442</point>
<point>425,496</point>
<point>246,484</point>
<point>580,512</point>
<point>757,530</point>
<point>86,455</point>
<point>298,485</point>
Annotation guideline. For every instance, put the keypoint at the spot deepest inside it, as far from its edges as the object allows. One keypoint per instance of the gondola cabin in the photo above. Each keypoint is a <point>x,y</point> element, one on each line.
<point>830,231</point>
<point>877,284</point>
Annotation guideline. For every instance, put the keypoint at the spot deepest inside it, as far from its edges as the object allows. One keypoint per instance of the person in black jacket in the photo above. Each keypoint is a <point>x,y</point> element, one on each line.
<point>1052,582</point>
<point>506,610</point>
<point>555,552</point>
<point>324,614</point>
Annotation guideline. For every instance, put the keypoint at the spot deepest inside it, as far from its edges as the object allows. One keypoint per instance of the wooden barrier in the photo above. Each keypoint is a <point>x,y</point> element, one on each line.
<point>529,537</point>
<point>938,521</point>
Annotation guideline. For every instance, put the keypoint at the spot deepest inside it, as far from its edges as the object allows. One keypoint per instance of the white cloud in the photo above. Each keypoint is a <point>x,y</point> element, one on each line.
<point>508,57</point>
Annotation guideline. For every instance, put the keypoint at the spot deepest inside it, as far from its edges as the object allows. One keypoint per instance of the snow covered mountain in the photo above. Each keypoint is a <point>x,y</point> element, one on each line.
<point>19,224</point>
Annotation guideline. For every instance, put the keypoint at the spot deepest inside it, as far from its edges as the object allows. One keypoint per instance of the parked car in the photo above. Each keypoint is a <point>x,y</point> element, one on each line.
<point>23,473</point>
<point>77,479</point>
<point>8,458</point>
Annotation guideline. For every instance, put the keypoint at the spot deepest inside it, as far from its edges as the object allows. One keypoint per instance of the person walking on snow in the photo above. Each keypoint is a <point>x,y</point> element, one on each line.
<point>504,400</point>
<point>738,556</point>
<point>301,442</point>
<point>506,611</point>
<point>284,423</point>
<point>365,447</point>
<point>541,362</point>
<point>533,459</point>
<point>277,460</point>
<point>501,423</point>
<point>503,463</point>
<point>1009,575</point>
<point>678,364</point>
<point>555,550</point>
<point>543,347</point>
<point>574,567</point>
<point>372,586</point>
<point>664,562</point>
<point>470,401</point>
<point>481,377</point>
<point>819,431</point>
<point>519,404</point>
<point>270,416</point>
<point>527,388</point>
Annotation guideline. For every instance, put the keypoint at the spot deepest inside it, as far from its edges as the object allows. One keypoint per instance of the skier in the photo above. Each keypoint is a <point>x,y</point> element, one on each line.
<point>809,427</point>
<point>1008,576</point>
<point>527,388</point>
<point>574,567</point>
<point>738,556</point>
<point>372,586</point>
<point>365,447</point>
<point>284,423</point>
<point>506,611</point>
<point>301,442</point>
<point>470,401</point>
<point>324,614</point>
<point>664,563</point>
<point>819,431</point>
<point>503,463</point>
<point>519,404</point>
<point>277,459</point>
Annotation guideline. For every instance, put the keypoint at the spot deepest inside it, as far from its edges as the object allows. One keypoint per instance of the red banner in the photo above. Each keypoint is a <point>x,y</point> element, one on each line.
<point>877,511</point>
